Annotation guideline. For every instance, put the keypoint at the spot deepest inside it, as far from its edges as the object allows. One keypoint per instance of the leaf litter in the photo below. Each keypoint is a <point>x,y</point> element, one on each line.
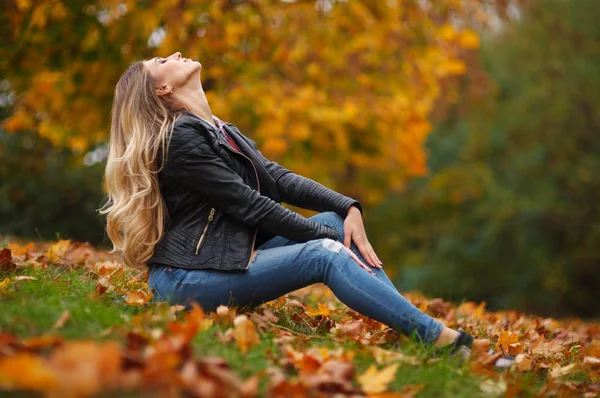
<point>160,359</point>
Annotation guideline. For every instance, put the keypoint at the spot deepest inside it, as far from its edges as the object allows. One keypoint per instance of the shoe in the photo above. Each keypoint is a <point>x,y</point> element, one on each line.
<point>461,348</point>
<point>504,362</point>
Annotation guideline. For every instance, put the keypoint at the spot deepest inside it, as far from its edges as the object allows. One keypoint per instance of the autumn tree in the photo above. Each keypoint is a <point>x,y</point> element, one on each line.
<point>340,91</point>
<point>509,213</point>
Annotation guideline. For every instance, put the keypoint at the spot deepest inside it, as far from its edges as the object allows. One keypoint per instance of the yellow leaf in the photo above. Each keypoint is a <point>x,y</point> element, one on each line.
<point>376,381</point>
<point>245,332</point>
<point>447,32</point>
<point>455,67</point>
<point>58,249</point>
<point>26,371</point>
<point>469,39</point>
<point>322,309</point>
<point>4,284</point>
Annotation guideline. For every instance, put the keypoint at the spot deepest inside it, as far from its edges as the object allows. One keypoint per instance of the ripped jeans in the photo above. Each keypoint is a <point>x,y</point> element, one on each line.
<point>282,266</point>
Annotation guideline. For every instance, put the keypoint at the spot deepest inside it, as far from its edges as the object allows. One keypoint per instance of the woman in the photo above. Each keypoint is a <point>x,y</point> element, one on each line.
<point>193,199</point>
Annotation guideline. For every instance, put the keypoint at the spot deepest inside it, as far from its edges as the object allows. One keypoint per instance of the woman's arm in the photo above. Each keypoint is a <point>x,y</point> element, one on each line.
<point>194,163</point>
<point>303,192</point>
<point>309,194</point>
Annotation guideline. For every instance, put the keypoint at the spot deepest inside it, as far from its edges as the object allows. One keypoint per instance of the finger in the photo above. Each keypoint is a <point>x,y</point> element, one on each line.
<point>357,260</point>
<point>374,256</point>
<point>347,238</point>
<point>364,250</point>
<point>360,245</point>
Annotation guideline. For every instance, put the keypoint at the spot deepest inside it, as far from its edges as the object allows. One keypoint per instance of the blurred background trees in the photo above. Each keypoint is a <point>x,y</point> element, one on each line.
<point>478,168</point>
<point>509,211</point>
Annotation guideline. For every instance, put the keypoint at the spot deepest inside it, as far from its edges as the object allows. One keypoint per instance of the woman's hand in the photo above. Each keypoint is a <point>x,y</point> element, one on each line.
<point>354,230</point>
<point>357,260</point>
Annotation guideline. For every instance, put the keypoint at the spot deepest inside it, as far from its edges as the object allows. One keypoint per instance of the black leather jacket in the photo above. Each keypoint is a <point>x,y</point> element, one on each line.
<point>217,199</point>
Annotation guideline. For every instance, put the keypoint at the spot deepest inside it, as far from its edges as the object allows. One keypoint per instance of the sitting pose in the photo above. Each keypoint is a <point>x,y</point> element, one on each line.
<point>194,200</point>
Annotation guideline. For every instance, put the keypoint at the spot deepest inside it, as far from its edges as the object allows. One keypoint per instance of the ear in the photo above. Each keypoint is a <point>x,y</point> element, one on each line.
<point>163,90</point>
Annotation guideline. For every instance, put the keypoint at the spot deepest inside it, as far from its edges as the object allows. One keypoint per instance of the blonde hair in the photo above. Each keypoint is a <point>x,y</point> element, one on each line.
<point>141,128</point>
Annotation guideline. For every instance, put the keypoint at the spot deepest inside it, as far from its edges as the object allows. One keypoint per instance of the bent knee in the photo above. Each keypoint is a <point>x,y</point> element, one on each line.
<point>331,245</point>
<point>331,218</point>
<point>326,246</point>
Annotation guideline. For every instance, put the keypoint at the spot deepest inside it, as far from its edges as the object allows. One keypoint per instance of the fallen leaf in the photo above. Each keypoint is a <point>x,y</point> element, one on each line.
<point>138,297</point>
<point>508,343</point>
<point>383,357</point>
<point>560,371</point>
<point>523,362</point>
<point>591,363</point>
<point>493,388</point>
<point>245,332</point>
<point>376,381</point>
<point>24,278</point>
<point>26,371</point>
<point>4,285</point>
<point>321,309</point>
<point>6,263</point>
<point>58,249</point>
<point>60,322</point>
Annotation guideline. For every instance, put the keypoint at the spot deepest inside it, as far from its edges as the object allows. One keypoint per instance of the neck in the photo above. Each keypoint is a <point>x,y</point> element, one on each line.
<point>195,101</point>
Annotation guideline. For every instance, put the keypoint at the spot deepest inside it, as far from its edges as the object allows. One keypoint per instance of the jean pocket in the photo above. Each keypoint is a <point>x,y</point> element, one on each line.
<point>176,275</point>
<point>155,278</point>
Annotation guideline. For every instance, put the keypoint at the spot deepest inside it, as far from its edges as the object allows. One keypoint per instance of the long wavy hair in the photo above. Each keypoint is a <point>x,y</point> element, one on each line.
<point>141,128</point>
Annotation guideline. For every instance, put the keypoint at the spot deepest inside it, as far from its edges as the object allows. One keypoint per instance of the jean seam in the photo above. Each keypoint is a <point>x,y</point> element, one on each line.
<point>428,333</point>
<point>156,293</point>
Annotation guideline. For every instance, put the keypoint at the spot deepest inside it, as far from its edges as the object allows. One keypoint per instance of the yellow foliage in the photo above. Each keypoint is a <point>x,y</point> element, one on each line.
<point>469,39</point>
<point>358,82</point>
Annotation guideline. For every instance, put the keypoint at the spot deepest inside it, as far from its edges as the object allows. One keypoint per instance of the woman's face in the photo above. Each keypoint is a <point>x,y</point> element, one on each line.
<point>172,71</point>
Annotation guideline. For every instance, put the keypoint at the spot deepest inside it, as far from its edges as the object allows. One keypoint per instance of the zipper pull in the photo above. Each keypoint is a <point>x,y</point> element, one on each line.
<point>211,215</point>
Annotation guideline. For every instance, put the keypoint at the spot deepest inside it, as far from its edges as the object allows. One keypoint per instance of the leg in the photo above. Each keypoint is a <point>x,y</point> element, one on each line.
<point>333,220</point>
<point>277,271</point>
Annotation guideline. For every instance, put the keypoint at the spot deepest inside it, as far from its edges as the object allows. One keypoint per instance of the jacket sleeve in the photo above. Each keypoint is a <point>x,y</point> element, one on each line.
<point>303,192</point>
<point>194,163</point>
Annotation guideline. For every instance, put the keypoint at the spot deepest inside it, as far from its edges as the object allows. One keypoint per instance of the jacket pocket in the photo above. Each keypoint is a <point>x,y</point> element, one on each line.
<point>205,229</point>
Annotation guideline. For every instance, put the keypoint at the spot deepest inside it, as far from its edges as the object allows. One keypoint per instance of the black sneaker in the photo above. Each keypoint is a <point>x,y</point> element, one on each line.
<point>461,348</point>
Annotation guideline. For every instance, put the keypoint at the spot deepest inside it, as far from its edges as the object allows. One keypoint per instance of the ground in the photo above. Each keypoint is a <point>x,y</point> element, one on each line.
<point>75,322</point>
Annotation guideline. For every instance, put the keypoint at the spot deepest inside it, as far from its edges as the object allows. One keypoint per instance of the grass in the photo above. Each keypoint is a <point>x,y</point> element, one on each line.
<point>30,308</point>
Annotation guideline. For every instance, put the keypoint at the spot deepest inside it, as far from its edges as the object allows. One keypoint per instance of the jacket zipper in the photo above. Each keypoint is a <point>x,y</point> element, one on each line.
<point>210,218</point>
<point>258,186</point>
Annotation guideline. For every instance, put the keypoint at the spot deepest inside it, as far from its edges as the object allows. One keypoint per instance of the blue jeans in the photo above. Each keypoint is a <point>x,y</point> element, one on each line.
<point>282,266</point>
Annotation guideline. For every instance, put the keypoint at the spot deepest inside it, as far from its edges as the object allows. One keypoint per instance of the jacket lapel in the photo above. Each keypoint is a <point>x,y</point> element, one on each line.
<point>268,185</point>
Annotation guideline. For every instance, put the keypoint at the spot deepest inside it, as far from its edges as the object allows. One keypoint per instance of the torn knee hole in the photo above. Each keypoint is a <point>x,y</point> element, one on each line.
<point>332,245</point>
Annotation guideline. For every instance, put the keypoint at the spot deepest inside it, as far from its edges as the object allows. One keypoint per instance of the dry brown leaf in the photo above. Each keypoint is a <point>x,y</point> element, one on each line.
<point>6,263</point>
<point>591,363</point>
<point>83,368</point>
<point>560,371</point>
<point>223,315</point>
<point>138,297</point>
<point>250,387</point>
<point>60,322</point>
<point>523,362</point>
<point>352,329</point>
